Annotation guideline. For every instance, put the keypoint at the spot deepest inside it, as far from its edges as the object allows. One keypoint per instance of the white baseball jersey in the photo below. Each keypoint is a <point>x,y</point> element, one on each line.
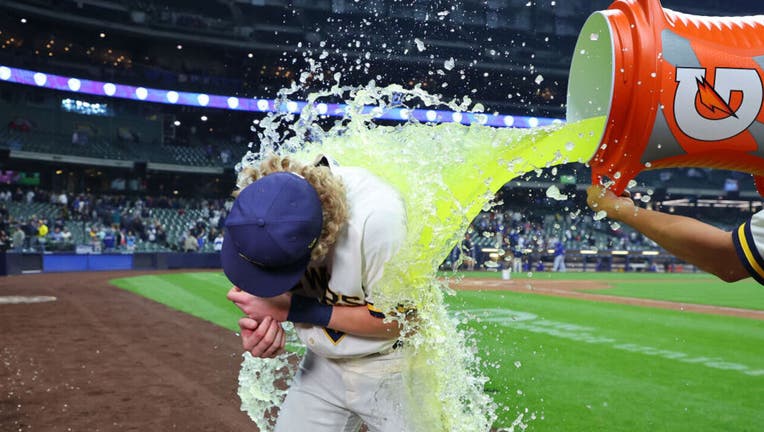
<point>749,242</point>
<point>375,230</point>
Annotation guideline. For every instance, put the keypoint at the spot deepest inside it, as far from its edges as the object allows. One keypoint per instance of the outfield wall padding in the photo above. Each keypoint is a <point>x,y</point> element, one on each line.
<point>21,263</point>
<point>74,263</point>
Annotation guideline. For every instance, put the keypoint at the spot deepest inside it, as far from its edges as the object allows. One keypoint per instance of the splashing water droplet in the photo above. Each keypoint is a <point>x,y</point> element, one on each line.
<point>632,183</point>
<point>554,193</point>
<point>434,169</point>
<point>602,214</point>
<point>419,44</point>
<point>449,64</point>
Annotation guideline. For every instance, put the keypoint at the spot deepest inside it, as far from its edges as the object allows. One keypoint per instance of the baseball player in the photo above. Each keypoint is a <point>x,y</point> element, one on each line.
<point>308,244</point>
<point>730,256</point>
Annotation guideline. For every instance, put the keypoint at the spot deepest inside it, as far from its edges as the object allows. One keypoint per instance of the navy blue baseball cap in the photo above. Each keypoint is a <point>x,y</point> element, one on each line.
<point>270,232</point>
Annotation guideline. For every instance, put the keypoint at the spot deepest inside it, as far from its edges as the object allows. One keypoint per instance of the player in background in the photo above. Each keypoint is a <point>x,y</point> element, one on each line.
<point>730,256</point>
<point>308,244</point>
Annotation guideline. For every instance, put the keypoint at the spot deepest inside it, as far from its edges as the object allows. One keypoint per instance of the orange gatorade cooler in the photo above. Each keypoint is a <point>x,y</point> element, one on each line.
<point>677,90</point>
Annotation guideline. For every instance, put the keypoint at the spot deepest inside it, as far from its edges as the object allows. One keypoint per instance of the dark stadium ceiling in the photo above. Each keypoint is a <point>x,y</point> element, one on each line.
<point>545,27</point>
<point>500,47</point>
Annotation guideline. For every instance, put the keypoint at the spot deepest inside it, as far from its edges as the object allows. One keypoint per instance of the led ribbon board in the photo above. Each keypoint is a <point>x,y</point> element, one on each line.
<point>172,97</point>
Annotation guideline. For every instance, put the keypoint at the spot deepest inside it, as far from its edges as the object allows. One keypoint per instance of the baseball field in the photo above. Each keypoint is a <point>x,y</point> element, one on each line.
<point>568,352</point>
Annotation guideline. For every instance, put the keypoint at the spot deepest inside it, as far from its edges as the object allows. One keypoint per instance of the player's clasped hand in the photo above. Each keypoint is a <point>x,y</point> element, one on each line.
<point>258,308</point>
<point>264,339</point>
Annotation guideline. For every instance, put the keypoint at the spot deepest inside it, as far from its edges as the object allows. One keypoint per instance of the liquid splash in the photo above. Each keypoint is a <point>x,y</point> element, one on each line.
<point>446,175</point>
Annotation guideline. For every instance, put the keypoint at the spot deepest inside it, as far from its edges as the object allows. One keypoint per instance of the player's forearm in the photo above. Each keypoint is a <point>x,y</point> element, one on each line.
<point>357,320</point>
<point>703,245</point>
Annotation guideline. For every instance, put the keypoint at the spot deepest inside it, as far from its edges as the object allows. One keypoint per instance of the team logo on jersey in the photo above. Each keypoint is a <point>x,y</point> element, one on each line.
<point>720,110</point>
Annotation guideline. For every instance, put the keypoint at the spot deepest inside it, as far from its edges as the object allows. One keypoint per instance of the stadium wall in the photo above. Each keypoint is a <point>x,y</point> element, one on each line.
<point>24,263</point>
<point>16,264</point>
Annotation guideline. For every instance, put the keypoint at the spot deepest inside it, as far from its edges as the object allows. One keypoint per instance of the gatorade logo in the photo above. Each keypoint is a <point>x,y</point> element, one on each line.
<point>718,111</point>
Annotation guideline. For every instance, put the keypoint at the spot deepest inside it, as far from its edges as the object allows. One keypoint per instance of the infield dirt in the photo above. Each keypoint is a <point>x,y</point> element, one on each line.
<point>102,359</point>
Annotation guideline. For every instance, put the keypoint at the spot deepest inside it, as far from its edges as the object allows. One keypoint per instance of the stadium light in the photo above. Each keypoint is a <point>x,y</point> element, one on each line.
<point>588,252</point>
<point>619,252</point>
<point>650,253</point>
<point>166,96</point>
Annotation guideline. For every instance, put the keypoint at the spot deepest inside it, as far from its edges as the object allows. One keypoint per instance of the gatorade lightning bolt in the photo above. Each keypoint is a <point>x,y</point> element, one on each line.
<point>678,90</point>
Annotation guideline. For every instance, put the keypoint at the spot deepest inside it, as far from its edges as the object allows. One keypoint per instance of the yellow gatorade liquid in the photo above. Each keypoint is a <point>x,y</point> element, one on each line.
<point>446,174</point>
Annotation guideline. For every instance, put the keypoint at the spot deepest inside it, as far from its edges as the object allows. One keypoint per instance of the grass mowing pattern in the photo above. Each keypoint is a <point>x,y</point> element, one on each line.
<point>583,366</point>
<point>746,294</point>
<point>606,386</point>
<point>697,288</point>
<point>199,294</point>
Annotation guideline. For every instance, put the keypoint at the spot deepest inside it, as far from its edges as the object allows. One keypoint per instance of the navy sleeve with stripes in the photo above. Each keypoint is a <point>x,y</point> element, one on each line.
<point>748,239</point>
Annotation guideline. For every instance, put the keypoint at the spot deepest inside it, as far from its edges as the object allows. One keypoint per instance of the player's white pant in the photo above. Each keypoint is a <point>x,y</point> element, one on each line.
<point>517,265</point>
<point>559,263</point>
<point>338,395</point>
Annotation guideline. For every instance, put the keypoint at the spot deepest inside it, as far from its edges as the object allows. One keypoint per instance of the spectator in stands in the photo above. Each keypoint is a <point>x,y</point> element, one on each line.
<point>190,244</point>
<point>18,239</point>
<point>130,242</point>
<point>225,156</point>
<point>94,234</point>
<point>42,234</point>
<point>161,234</point>
<point>66,235</point>
<point>453,257</point>
<point>469,251</point>
<point>20,124</point>
<point>5,241</point>
<point>109,240</point>
<point>201,240</point>
<point>63,199</point>
<point>55,236</point>
<point>731,257</point>
<point>218,243</point>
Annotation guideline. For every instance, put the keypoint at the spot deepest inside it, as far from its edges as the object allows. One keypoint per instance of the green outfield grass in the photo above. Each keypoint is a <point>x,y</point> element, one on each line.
<point>699,288</point>
<point>577,365</point>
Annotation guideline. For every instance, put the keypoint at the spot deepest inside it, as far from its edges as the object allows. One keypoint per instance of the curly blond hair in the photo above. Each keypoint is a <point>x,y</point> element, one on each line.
<point>330,190</point>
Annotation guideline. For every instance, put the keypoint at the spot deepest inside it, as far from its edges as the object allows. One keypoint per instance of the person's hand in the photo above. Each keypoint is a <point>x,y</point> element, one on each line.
<point>602,199</point>
<point>259,308</point>
<point>264,339</point>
